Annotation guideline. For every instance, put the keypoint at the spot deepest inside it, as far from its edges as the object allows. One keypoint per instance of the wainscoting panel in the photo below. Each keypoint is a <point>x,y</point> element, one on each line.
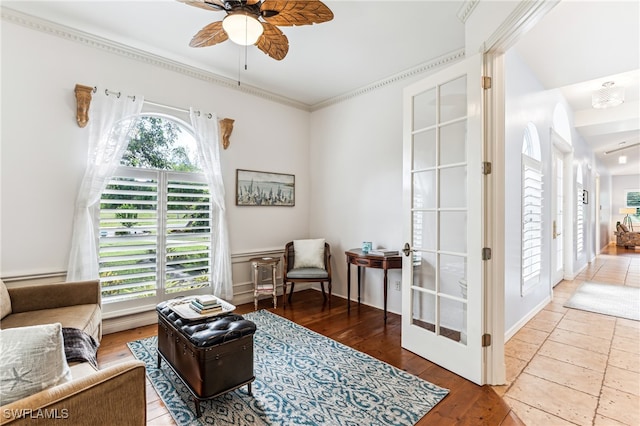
<point>242,275</point>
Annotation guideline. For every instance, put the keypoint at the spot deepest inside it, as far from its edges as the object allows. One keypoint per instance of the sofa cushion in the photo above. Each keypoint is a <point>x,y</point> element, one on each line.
<point>32,360</point>
<point>308,253</point>
<point>84,317</point>
<point>81,369</point>
<point>5,301</point>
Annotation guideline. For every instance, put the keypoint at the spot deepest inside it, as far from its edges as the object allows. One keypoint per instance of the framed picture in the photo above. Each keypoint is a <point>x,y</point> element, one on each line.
<point>255,188</point>
<point>585,196</point>
<point>632,197</point>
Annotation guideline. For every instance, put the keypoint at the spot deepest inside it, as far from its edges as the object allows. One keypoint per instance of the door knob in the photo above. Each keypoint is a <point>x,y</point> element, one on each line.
<point>407,249</point>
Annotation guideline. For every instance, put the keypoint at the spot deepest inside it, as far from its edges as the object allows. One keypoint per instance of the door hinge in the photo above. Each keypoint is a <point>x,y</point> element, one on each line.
<point>486,340</point>
<point>486,168</point>
<point>486,253</point>
<point>486,82</point>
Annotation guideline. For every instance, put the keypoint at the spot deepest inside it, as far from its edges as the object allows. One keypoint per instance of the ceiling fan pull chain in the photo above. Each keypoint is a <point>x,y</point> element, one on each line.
<point>239,69</point>
<point>245,57</point>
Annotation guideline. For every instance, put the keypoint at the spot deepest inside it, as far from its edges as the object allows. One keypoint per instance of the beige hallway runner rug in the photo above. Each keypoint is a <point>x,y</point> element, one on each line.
<point>609,299</point>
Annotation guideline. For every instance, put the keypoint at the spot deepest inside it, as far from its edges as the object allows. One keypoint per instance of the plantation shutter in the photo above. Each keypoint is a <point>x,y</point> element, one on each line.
<point>531,221</point>
<point>129,235</point>
<point>188,233</point>
<point>155,234</point>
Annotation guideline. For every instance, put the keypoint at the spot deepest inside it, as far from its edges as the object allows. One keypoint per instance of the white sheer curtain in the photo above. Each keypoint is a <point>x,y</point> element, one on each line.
<point>206,134</point>
<point>111,118</point>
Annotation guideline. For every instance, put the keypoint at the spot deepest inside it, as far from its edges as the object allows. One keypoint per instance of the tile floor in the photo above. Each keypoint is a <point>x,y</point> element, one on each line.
<point>572,367</point>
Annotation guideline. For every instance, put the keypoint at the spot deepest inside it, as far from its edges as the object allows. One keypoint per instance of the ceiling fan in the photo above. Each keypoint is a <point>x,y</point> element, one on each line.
<point>256,22</point>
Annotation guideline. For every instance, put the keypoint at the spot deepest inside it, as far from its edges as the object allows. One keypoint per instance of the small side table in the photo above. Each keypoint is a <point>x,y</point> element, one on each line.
<point>361,260</point>
<point>260,287</point>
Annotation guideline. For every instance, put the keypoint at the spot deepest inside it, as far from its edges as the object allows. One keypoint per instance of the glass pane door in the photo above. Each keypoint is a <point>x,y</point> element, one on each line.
<point>442,309</point>
<point>440,210</point>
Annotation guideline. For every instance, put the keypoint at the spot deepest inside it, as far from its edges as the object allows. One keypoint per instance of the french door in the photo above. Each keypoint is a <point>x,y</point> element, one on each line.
<point>443,288</point>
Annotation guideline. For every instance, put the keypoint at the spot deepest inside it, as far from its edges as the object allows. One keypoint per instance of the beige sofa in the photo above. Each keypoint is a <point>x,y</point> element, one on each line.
<point>626,238</point>
<point>114,395</point>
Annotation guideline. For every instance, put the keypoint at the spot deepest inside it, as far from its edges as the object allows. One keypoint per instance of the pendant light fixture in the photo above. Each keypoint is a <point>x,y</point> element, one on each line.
<point>608,96</point>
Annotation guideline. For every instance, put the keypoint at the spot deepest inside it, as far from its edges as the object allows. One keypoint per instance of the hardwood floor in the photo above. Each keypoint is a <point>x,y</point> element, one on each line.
<point>615,250</point>
<point>363,329</point>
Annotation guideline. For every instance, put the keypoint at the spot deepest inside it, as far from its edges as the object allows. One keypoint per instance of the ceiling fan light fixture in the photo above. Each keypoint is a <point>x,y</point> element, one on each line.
<point>242,27</point>
<point>609,95</point>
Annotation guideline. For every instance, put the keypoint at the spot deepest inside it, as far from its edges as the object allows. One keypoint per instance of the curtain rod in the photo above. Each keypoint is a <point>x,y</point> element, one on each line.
<point>208,115</point>
<point>83,101</point>
<point>146,101</point>
<point>179,109</point>
<point>154,103</point>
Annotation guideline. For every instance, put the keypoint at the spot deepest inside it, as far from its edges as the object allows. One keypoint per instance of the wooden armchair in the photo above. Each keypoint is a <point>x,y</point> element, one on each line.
<point>305,274</point>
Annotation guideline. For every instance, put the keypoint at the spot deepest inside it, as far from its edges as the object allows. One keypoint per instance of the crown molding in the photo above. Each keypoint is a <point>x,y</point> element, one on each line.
<point>87,39</point>
<point>466,9</point>
<point>403,75</point>
<point>68,33</point>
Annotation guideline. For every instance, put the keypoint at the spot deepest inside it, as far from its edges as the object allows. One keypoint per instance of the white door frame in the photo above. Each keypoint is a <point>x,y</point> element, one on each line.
<point>568,208</point>
<point>525,16</point>
<point>494,152</point>
<point>596,206</point>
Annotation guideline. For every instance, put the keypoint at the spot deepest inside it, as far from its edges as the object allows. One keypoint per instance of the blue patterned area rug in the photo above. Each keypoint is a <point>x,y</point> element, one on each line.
<point>302,378</point>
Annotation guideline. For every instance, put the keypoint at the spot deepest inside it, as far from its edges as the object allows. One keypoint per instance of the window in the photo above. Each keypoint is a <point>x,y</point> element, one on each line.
<point>531,209</point>
<point>155,218</point>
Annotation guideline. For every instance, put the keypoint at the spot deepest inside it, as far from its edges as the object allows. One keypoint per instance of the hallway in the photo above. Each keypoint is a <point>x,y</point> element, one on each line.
<point>572,367</point>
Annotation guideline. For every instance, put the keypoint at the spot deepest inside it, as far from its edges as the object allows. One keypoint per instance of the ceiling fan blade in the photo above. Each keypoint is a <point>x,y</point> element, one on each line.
<point>290,13</point>
<point>273,42</point>
<point>214,5</point>
<point>209,35</point>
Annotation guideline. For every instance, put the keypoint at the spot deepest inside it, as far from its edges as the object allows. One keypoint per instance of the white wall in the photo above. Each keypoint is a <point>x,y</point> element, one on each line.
<point>356,176</point>
<point>527,101</point>
<point>43,149</point>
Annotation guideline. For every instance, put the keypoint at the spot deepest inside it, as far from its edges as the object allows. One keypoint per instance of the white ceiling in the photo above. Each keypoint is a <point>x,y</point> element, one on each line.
<point>356,48</point>
<point>576,47</point>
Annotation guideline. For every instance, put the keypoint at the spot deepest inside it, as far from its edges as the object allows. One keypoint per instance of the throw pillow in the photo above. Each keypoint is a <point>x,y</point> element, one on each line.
<point>308,253</point>
<point>5,301</point>
<point>32,360</point>
<point>624,227</point>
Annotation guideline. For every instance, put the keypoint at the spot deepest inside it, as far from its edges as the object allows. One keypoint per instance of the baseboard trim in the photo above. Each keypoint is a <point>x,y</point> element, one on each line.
<point>517,326</point>
<point>113,325</point>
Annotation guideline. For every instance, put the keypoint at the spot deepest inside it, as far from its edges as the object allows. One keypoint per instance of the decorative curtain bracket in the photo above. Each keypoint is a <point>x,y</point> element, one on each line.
<point>226,128</point>
<point>83,101</point>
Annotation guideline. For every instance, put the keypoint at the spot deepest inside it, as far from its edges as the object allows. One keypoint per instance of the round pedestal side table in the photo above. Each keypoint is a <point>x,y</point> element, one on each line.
<point>261,286</point>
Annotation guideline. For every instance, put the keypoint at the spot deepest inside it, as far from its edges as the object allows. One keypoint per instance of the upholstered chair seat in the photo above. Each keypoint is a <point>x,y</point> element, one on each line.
<point>308,273</point>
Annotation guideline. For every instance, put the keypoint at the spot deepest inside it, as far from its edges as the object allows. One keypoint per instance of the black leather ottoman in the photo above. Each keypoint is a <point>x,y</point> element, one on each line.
<point>211,356</point>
